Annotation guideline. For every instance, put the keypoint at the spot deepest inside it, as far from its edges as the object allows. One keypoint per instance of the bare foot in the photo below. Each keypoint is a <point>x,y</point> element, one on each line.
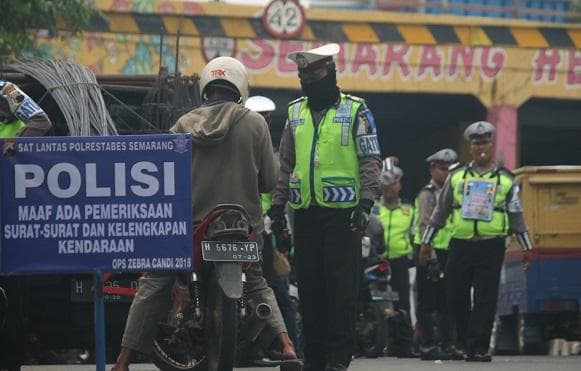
<point>123,360</point>
<point>288,348</point>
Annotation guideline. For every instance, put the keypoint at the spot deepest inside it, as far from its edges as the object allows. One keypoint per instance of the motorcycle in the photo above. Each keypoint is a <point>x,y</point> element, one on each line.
<point>201,332</point>
<point>376,305</point>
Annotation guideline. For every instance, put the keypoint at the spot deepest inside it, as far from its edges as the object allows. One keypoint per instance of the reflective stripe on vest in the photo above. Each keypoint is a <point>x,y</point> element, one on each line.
<point>11,129</point>
<point>326,162</point>
<point>465,229</point>
<point>397,224</point>
<point>442,239</point>
<point>265,202</point>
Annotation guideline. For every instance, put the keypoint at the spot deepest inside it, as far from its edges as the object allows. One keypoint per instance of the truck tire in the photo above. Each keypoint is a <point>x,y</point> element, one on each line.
<point>529,334</point>
<point>504,336</point>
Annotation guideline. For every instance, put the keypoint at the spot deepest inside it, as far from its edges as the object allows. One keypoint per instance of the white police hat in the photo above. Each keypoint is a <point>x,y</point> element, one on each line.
<point>479,130</point>
<point>305,58</point>
<point>260,104</point>
<point>444,155</point>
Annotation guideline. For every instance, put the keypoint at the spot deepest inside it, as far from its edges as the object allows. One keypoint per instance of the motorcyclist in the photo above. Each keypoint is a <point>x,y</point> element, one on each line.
<point>228,137</point>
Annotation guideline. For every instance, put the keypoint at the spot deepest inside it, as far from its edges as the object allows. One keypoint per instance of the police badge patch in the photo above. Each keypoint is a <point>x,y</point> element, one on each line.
<point>181,144</point>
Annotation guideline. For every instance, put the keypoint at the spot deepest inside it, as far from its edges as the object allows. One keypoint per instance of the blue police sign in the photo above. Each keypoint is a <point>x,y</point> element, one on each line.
<point>83,204</point>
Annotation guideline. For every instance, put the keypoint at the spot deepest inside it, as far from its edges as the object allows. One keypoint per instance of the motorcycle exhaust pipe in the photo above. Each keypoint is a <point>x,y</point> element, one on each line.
<point>263,311</point>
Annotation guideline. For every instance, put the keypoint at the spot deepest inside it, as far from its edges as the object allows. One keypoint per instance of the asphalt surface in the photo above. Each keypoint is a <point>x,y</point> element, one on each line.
<point>521,363</point>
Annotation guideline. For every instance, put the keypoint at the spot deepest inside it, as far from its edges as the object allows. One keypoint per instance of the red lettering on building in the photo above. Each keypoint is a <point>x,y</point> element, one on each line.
<point>491,62</point>
<point>574,70</point>
<point>430,59</point>
<point>398,56</point>
<point>260,57</point>
<point>285,48</point>
<point>546,60</point>
<point>461,55</point>
<point>365,55</point>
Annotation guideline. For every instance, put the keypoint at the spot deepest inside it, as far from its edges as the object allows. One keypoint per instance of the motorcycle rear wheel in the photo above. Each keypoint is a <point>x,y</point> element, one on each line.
<point>220,335</point>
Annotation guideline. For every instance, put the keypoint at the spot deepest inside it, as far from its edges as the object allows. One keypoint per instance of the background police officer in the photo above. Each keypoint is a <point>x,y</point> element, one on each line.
<point>265,106</point>
<point>483,199</point>
<point>431,304</point>
<point>19,114</point>
<point>390,233</point>
<point>330,164</point>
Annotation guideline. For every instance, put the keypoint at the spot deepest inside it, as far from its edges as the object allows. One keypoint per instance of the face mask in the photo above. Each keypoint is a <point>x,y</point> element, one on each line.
<point>322,93</point>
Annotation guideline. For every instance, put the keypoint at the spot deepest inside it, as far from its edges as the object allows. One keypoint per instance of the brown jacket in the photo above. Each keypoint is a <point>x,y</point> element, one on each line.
<point>233,160</point>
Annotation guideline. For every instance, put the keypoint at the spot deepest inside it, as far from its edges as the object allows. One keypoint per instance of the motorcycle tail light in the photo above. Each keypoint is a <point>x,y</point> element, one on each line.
<point>383,267</point>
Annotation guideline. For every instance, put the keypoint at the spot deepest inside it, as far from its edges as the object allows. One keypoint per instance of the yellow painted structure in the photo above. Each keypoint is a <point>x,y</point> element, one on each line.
<point>499,61</point>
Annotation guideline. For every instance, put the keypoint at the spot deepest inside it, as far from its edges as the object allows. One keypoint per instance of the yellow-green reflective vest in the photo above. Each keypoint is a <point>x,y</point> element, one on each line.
<point>465,229</point>
<point>11,129</point>
<point>397,224</point>
<point>444,235</point>
<point>266,202</point>
<point>326,162</point>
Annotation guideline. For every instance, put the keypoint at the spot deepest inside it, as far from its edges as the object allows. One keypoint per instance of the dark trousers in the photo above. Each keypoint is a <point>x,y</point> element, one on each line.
<point>328,257</point>
<point>400,281</point>
<point>12,329</point>
<point>280,289</point>
<point>432,313</point>
<point>474,264</point>
<point>401,330</point>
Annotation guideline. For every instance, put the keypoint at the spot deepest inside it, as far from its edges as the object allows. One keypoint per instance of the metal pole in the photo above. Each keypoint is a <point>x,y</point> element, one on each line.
<point>99,321</point>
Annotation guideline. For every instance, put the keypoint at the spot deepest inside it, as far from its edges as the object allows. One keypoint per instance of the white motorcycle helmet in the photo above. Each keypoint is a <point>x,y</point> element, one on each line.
<point>225,69</point>
<point>260,104</point>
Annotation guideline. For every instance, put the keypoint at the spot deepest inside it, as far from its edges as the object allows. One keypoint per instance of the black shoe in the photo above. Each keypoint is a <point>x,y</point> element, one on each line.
<point>478,357</point>
<point>454,353</point>
<point>408,354</point>
<point>431,353</point>
<point>335,367</point>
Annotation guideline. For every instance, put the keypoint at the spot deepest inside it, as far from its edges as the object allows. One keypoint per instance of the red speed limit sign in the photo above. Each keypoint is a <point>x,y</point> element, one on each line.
<point>284,19</point>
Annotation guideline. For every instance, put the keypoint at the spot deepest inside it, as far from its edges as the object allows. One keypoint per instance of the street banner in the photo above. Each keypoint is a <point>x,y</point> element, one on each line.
<point>86,204</point>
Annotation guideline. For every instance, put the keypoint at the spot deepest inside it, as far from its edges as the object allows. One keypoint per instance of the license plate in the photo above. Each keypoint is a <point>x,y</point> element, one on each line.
<point>82,290</point>
<point>230,251</point>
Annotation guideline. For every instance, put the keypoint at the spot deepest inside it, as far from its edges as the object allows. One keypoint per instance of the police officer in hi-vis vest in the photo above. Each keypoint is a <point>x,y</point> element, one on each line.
<point>20,116</point>
<point>432,314</point>
<point>330,164</point>
<point>483,200</point>
<point>390,231</point>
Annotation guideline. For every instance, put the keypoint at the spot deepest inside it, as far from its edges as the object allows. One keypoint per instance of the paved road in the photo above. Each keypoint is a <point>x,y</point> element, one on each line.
<point>537,363</point>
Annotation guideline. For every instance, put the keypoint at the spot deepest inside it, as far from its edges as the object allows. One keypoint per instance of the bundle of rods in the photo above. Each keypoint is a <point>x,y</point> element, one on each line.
<point>76,91</point>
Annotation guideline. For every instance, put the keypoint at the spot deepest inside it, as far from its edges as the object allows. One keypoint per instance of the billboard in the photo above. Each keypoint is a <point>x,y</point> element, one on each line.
<point>80,204</point>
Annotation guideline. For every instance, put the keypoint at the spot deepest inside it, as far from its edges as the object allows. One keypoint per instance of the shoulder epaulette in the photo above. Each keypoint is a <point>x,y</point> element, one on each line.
<point>429,187</point>
<point>354,98</point>
<point>296,100</point>
<point>505,171</point>
<point>405,203</point>
<point>457,166</point>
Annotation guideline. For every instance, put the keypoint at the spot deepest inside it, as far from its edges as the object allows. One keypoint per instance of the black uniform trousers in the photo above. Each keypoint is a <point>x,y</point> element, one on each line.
<point>401,332</point>
<point>432,313</point>
<point>474,264</point>
<point>328,258</point>
<point>400,281</point>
